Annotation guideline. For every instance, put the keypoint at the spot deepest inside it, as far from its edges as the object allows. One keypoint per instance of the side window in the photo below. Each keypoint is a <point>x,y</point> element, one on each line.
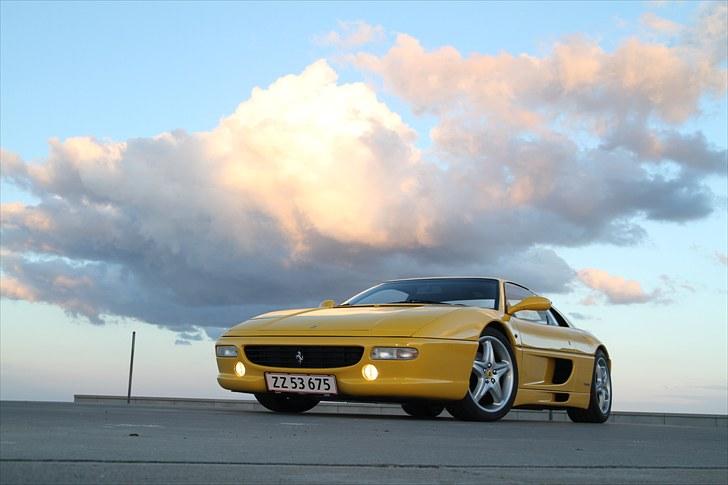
<point>533,316</point>
<point>514,294</point>
<point>555,318</point>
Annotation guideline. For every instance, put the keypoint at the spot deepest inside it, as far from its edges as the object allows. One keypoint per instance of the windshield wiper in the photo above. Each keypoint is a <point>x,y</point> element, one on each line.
<point>415,300</point>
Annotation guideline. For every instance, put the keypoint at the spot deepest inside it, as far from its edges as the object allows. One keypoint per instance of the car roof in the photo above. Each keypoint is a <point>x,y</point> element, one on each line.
<point>446,278</point>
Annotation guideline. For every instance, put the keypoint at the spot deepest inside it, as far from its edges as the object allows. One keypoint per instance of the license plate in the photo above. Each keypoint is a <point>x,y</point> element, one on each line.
<point>301,383</point>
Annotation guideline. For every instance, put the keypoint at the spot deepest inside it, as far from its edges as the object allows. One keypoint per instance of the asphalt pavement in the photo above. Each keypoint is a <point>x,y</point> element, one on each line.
<point>70,443</point>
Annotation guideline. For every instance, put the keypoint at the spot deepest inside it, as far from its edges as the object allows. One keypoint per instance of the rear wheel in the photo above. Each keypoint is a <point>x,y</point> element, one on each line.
<point>286,403</point>
<point>423,410</point>
<point>600,398</point>
<point>493,381</point>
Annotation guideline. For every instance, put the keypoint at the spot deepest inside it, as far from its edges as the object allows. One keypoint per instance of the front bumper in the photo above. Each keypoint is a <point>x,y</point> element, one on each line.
<point>440,372</point>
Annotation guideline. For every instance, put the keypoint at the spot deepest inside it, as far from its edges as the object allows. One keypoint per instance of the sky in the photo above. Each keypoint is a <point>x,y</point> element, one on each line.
<point>174,168</point>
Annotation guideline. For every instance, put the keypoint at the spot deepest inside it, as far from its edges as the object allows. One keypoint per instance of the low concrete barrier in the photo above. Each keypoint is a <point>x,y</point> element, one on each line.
<point>670,419</point>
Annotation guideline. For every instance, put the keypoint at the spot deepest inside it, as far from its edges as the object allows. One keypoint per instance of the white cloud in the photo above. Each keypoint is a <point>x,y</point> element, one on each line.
<point>709,35</point>
<point>315,188</point>
<point>12,288</point>
<point>351,34</point>
<point>660,24</point>
<point>309,188</point>
<point>616,289</point>
<point>721,257</point>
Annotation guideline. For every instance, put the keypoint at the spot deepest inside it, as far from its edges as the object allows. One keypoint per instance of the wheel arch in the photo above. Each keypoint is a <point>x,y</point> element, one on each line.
<point>604,349</point>
<point>502,328</point>
<point>467,408</point>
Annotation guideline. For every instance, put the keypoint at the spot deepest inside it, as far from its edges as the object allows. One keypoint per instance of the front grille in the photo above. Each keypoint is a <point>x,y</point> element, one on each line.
<point>310,357</point>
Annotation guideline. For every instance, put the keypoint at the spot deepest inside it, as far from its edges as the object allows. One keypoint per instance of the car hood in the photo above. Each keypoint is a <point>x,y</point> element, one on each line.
<point>373,321</point>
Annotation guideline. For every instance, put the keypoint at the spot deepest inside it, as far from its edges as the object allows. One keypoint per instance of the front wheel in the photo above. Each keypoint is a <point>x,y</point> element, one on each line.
<point>600,398</point>
<point>493,381</point>
<point>286,403</point>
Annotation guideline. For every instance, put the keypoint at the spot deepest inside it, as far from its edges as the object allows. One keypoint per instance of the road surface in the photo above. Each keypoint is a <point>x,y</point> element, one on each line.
<point>70,443</point>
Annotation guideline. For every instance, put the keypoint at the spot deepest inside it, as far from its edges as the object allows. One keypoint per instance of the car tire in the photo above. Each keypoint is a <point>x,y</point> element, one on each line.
<point>286,403</point>
<point>481,403</point>
<point>600,397</point>
<point>423,409</point>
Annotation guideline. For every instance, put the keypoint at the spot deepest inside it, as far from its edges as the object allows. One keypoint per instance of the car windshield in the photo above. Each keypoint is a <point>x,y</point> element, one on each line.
<point>479,292</point>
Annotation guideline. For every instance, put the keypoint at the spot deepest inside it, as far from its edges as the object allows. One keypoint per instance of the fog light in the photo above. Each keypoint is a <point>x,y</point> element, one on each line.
<point>369,372</point>
<point>239,369</point>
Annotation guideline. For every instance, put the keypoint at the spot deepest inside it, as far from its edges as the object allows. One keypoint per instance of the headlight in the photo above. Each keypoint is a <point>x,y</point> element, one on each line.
<point>226,351</point>
<point>394,353</point>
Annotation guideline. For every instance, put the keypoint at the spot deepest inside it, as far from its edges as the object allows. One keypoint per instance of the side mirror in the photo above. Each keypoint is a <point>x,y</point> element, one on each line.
<point>535,303</point>
<point>327,304</point>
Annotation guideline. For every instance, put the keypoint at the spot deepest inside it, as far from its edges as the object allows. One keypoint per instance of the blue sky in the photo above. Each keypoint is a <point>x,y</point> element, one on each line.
<point>127,72</point>
<point>198,61</point>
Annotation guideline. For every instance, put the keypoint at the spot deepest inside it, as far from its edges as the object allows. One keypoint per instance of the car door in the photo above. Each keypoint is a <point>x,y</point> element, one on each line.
<point>550,348</point>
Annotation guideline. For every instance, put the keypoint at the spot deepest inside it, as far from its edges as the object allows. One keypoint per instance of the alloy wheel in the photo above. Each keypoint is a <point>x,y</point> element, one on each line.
<point>491,380</point>
<point>603,385</point>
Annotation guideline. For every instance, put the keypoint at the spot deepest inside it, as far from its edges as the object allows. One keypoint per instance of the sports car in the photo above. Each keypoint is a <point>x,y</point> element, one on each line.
<point>477,347</point>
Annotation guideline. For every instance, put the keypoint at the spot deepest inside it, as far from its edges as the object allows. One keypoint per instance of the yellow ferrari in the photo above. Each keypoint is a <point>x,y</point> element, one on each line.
<point>474,346</point>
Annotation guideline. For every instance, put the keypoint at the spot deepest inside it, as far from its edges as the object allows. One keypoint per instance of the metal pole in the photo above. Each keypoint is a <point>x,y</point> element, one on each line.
<point>131,367</point>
